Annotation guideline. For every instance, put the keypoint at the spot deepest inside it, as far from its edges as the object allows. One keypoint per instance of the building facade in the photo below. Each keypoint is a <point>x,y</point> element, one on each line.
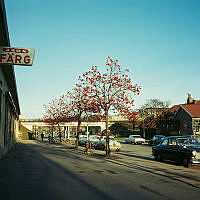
<point>9,105</point>
<point>188,117</point>
<point>182,119</point>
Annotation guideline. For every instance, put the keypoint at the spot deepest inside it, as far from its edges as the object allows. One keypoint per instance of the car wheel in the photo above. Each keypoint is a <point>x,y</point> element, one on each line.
<point>156,157</point>
<point>186,162</point>
<point>159,158</point>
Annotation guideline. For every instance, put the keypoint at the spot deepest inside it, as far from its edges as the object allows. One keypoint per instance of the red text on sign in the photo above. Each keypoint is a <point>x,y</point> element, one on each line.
<point>15,59</point>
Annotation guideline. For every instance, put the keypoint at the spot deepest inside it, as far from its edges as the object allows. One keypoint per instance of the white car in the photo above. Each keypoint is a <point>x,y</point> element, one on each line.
<point>134,139</point>
<point>93,139</point>
<point>113,144</point>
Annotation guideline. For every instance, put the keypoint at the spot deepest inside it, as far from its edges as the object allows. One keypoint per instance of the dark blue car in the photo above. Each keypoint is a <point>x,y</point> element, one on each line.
<point>183,150</point>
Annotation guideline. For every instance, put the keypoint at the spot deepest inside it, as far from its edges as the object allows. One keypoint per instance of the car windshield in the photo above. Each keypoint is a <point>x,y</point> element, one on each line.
<point>187,141</point>
<point>197,138</point>
<point>136,136</point>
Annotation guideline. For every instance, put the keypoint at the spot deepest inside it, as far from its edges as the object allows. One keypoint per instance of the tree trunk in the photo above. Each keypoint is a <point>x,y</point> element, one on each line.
<point>107,135</point>
<point>78,132</point>
<point>52,126</point>
<point>133,126</point>
<point>60,135</point>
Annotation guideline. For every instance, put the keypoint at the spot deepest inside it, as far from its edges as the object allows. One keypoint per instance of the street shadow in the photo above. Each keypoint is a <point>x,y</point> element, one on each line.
<point>159,171</point>
<point>39,177</point>
<point>136,156</point>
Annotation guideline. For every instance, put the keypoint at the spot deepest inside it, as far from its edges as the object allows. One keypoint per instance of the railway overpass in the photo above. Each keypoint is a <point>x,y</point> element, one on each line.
<point>68,128</point>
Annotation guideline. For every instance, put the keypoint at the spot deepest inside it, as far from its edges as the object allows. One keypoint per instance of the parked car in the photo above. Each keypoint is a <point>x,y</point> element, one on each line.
<point>82,140</point>
<point>134,139</point>
<point>93,139</point>
<point>113,144</point>
<point>180,149</point>
<point>156,139</point>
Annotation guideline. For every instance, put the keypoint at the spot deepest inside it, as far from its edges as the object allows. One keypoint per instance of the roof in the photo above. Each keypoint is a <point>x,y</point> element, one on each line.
<point>176,107</point>
<point>186,106</point>
<point>192,109</point>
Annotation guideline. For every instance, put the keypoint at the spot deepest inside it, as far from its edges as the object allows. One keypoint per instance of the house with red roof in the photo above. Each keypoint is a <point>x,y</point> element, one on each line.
<point>182,119</point>
<point>188,118</point>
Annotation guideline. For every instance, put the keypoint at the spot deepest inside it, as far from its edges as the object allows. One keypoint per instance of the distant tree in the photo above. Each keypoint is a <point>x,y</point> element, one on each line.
<point>56,112</point>
<point>149,113</point>
<point>111,89</point>
<point>153,108</point>
<point>119,129</point>
<point>132,119</point>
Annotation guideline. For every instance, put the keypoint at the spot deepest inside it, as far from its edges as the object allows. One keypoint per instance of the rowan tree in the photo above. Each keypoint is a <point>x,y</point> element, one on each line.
<point>83,106</point>
<point>111,90</point>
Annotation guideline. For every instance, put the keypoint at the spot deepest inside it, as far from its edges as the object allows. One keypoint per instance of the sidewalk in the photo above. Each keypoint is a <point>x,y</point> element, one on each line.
<point>81,149</point>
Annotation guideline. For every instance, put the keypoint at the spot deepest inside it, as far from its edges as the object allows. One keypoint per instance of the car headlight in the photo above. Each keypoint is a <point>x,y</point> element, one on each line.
<point>194,153</point>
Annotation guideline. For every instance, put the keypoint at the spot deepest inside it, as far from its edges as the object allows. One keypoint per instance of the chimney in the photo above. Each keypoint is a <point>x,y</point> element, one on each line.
<point>190,100</point>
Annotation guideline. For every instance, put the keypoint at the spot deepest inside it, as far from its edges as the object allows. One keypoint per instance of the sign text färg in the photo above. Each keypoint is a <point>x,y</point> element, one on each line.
<point>16,56</point>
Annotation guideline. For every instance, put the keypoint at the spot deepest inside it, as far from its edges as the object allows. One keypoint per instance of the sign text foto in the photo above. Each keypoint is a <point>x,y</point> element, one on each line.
<point>16,56</point>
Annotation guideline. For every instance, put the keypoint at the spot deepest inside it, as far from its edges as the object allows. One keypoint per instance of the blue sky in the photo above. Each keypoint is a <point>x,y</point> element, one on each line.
<point>158,40</point>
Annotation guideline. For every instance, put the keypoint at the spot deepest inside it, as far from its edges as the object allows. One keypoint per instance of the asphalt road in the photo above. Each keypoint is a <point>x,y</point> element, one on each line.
<point>35,170</point>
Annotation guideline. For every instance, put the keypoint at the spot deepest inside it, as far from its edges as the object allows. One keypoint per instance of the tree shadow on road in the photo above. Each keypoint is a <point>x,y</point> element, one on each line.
<point>171,173</point>
<point>35,176</point>
<point>136,156</point>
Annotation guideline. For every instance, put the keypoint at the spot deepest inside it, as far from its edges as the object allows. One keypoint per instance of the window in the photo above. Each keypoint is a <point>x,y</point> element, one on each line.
<point>181,141</point>
<point>172,141</point>
<point>155,138</point>
<point>165,142</point>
